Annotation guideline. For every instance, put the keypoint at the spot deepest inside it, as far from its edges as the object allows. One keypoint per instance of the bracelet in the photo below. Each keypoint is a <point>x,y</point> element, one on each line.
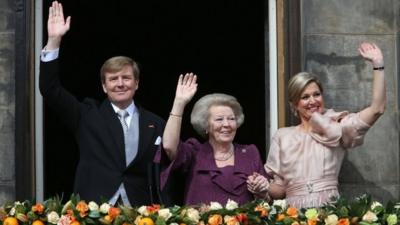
<point>175,115</point>
<point>379,68</point>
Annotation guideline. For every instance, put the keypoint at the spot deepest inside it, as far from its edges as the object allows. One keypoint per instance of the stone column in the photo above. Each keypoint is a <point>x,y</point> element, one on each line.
<point>331,33</point>
<point>7,101</point>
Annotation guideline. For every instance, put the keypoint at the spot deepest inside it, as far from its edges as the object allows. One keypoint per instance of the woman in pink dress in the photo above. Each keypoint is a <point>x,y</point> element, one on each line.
<point>305,160</point>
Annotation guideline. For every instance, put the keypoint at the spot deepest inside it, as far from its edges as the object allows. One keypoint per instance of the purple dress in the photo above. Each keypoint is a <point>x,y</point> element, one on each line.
<point>205,182</point>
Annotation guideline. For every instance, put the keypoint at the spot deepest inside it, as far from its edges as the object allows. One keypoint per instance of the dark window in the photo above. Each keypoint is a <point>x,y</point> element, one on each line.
<point>221,41</point>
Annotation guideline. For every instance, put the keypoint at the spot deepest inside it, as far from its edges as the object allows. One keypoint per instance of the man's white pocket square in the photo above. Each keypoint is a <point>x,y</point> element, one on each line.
<point>158,141</point>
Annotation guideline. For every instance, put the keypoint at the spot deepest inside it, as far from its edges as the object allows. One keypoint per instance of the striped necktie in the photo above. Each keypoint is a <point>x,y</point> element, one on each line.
<point>122,115</point>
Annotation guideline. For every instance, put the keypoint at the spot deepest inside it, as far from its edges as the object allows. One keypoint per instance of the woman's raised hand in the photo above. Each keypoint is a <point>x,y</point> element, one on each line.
<point>371,52</point>
<point>186,88</point>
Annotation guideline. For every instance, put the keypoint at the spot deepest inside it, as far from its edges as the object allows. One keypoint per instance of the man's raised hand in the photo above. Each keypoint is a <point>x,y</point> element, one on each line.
<point>57,26</point>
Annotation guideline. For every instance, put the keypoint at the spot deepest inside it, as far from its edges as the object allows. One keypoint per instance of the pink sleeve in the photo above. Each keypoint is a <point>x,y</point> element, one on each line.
<point>273,163</point>
<point>334,129</point>
<point>353,130</point>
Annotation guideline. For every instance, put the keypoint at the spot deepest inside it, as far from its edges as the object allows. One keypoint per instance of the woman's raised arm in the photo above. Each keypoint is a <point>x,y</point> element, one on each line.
<point>185,90</point>
<point>372,53</point>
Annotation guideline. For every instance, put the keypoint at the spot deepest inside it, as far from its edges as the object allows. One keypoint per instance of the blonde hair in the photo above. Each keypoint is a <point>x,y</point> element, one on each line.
<point>200,112</point>
<point>116,64</point>
<point>296,86</point>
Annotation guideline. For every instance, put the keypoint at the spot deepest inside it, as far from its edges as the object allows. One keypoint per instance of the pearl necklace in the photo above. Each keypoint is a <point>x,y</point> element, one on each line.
<point>227,155</point>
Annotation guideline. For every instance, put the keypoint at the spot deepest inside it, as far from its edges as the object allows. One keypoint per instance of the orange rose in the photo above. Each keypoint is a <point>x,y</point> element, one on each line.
<point>37,222</point>
<point>312,222</point>
<point>113,212</point>
<point>146,221</point>
<point>280,217</point>
<point>343,221</point>
<point>108,219</point>
<point>10,221</point>
<point>215,220</point>
<point>38,208</point>
<point>82,208</point>
<point>292,212</point>
<point>262,210</point>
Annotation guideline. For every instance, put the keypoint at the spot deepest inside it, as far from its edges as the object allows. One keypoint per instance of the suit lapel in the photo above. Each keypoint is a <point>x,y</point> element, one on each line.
<point>115,130</point>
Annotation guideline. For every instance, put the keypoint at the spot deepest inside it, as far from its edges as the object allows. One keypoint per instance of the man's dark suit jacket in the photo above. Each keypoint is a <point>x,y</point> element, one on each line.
<point>99,135</point>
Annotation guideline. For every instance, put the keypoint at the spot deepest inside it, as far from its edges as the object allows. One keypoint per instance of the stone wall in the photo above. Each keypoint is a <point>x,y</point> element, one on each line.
<point>331,34</point>
<point>7,100</point>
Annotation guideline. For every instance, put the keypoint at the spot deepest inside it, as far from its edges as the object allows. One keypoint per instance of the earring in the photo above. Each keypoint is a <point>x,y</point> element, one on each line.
<point>293,110</point>
<point>295,113</point>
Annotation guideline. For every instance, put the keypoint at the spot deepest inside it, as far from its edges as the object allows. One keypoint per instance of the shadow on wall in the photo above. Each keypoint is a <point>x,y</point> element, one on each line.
<point>352,184</point>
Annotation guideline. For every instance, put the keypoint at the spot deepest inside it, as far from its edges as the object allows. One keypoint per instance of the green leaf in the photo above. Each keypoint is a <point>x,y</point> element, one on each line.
<point>342,212</point>
<point>67,206</point>
<point>119,220</point>
<point>160,221</point>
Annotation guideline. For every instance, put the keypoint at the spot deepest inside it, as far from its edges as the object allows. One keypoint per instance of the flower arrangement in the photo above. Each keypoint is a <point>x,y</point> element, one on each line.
<point>361,211</point>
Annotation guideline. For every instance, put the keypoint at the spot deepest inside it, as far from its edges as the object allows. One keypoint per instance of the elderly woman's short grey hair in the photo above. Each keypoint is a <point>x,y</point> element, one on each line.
<point>201,112</point>
<point>296,86</point>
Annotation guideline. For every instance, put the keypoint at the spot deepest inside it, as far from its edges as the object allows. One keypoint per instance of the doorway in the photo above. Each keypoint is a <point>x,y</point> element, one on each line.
<point>221,41</point>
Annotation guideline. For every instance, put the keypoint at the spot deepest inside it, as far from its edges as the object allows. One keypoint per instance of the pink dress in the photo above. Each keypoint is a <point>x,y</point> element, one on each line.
<point>308,163</point>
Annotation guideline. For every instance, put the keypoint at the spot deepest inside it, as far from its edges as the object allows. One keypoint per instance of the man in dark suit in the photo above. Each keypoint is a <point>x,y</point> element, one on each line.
<point>117,139</point>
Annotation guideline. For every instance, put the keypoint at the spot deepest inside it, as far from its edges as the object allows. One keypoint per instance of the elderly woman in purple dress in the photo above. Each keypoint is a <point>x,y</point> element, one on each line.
<point>305,160</point>
<point>218,169</point>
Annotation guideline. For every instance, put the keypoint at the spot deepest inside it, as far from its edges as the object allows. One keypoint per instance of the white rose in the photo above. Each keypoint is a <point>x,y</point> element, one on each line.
<point>165,214</point>
<point>375,204</point>
<point>331,220</point>
<point>12,211</point>
<point>266,205</point>
<point>173,224</point>
<point>93,206</point>
<point>143,210</point>
<point>193,215</point>
<point>231,205</point>
<point>282,203</point>
<point>215,206</point>
<point>104,208</point>
<point>53,217</point>
<point>370,217</point>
